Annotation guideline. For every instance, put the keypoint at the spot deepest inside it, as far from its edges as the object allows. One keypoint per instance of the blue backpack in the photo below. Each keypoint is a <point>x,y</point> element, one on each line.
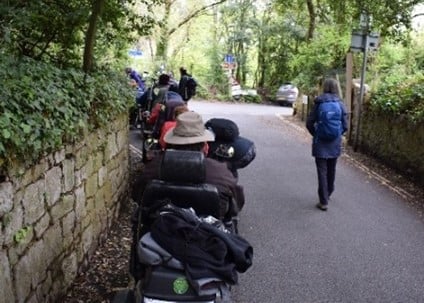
<point>329,122</point>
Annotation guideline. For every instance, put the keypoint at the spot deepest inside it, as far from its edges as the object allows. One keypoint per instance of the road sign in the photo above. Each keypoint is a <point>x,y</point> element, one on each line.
<point>229,58</point>
<point>360,40</point>
<point>135,53</point>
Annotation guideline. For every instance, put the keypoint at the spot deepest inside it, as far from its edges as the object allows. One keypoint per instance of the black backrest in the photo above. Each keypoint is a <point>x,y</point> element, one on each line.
<point>183,167</point>
<point>182,177</point>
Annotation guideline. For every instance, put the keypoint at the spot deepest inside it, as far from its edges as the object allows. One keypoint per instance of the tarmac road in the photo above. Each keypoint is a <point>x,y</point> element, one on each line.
<point>368,246</point>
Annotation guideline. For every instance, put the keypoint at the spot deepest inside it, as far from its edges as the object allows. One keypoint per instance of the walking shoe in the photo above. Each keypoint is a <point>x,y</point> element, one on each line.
<point>322,207</point>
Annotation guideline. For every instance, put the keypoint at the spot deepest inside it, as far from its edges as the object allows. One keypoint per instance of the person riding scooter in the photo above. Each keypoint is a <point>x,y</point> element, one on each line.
<point>190,133</point>
<point>229,146</point>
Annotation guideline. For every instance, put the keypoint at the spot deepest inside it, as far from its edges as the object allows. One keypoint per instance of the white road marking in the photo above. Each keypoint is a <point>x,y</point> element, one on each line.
<point>137,151</point>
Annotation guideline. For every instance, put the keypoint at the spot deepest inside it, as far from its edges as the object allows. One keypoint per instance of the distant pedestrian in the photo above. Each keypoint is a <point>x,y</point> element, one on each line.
<point>187,85</point>
<point>173,83</point>
<point>135,78</point>
<point>163,88</point>
<point>327,123</point>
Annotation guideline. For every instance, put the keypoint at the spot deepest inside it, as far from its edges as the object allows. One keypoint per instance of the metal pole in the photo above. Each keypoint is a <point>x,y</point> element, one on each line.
<point>348,97</point>
<point>361,92</point>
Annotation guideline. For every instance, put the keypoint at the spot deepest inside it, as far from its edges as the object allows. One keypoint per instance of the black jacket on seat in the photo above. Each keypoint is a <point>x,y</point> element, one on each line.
<point>203,249</point>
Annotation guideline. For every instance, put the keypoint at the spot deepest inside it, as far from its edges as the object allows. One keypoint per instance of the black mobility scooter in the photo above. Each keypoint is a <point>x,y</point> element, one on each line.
<point>185,248</point>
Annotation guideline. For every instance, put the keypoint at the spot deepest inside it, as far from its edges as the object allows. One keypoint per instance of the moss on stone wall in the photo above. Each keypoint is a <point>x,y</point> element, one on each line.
<point>54,214</point>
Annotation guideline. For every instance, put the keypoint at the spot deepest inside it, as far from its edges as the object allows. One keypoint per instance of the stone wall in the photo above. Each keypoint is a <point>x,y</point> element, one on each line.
<point>55,213</point>
<point>396,142</point>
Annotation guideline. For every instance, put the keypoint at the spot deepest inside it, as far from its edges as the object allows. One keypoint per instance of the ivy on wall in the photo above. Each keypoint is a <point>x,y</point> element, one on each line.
<point>401,96</point>
<point>42,107</point>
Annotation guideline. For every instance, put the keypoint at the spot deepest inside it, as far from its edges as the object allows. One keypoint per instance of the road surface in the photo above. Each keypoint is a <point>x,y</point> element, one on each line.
<point>368,246</point>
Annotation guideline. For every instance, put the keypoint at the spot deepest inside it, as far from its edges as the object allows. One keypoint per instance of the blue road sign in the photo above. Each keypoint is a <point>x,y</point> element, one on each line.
<point>229,58</point>
<point>135,53</point>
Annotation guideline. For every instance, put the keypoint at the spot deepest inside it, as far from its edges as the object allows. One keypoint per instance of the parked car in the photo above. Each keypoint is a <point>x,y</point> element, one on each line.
<point>287,94</point>
<point>237,92</point>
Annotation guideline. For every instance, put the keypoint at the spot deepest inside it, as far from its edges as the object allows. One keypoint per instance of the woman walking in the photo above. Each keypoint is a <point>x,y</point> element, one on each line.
<point>327,123</point>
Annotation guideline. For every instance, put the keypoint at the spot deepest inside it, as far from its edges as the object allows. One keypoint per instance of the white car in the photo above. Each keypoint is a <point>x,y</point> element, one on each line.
<point>286,94</point>
<point>237,92</point>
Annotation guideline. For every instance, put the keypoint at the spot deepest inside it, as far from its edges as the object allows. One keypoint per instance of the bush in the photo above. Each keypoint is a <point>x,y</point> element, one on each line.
<point>42,107</point>
<point>323,55</point>
<point>401,96</point>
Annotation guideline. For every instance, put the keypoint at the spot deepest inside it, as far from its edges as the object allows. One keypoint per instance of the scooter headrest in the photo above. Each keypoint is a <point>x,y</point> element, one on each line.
<point>183,166</point>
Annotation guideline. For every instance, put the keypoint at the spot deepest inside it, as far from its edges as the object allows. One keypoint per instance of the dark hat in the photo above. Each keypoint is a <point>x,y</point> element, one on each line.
<point>164,79</point>
<point>225,130</point>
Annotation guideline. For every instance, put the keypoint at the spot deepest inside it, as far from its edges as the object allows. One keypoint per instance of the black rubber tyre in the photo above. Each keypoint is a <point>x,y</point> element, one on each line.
<point>124,296</point>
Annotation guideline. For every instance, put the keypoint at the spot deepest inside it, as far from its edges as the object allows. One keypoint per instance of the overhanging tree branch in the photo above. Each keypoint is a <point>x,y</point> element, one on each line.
<point>90,36</point>
<point>417,15</point>
<point>194,14</point>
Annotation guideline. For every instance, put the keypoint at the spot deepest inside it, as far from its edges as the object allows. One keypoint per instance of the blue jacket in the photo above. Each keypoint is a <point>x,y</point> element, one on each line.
<point>320,148</point>
<point>137,78</point>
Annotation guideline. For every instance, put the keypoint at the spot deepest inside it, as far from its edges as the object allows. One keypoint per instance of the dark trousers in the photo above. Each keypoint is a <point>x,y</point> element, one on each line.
<point>326,169</point>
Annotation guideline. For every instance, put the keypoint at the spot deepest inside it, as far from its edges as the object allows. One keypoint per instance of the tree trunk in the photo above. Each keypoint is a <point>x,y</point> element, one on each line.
<point>261,62</point>
<point>162,46</point>
<point>312,18</point>
<point>262,50</point>
<point>90,36</point>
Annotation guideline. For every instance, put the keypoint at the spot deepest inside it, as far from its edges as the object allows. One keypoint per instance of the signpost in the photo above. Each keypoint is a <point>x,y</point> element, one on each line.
<point>362,41</point>
<point>229,62</point>
<point>304,103</point>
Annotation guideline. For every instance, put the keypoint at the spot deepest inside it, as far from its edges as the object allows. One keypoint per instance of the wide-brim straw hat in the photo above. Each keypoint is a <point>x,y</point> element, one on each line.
<point>189,129</point>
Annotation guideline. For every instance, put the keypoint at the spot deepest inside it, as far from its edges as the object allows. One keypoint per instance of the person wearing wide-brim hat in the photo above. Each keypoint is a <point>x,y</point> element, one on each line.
<point>188,130</point>
<point>190,133</point>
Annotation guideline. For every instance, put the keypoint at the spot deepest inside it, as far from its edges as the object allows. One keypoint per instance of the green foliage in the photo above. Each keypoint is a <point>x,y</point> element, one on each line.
<point>217,79</point>
<point>54,31</point>
<point>250,99</point>
<point>316,59</point>
<point>40,29</point>
<point>401,95</point>
<point>396,73</point>
<point>279,36</point>
<point>22,234</point>
<point>237,28</point>
<point>393,59</point>
<point>42,107</point>
<point>390,18</point>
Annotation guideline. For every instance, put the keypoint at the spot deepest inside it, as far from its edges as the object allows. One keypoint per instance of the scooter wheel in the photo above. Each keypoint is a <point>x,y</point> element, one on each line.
<point>124,296</point>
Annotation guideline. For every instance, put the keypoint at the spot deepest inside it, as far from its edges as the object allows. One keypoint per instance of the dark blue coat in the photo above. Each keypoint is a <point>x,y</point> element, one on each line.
<point>137,78</point>
<point>320,148</point>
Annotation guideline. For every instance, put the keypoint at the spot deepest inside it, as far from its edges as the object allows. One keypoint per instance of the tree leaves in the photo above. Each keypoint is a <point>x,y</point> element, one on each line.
<point>26,128</point>
<point>6,134</point>
<point>53,31</point>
